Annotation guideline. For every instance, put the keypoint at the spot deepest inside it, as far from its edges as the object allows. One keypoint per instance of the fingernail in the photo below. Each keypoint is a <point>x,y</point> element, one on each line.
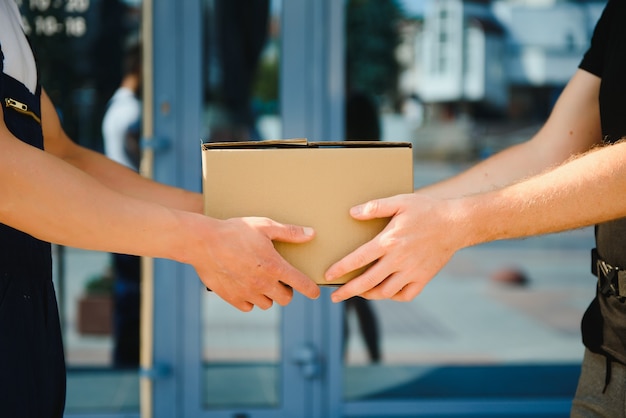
<point>356,210</point>
<point>308,231</point>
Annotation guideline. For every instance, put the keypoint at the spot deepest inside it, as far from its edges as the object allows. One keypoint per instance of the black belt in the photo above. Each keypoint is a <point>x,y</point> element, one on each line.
<point>611,280</point>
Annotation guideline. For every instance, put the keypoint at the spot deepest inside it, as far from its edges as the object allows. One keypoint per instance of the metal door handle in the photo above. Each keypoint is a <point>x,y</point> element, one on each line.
<point>308,359</point>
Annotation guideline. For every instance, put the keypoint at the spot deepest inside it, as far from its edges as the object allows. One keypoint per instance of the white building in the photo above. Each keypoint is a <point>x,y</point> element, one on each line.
<point>462,48</point>
<point>477,51</point>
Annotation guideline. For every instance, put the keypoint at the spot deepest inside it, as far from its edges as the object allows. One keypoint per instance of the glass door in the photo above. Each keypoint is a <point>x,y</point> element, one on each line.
<point>240,352</point>
<point>272,363</point>
<point>497,331</point>
<point>443,354</point>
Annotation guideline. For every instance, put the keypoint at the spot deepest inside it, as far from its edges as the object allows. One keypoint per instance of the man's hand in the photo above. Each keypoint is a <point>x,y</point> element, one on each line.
<point>242,266</point>
<point>418,241</point>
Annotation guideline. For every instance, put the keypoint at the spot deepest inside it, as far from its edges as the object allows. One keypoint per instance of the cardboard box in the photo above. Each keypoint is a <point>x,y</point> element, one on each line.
<point>310,184</point>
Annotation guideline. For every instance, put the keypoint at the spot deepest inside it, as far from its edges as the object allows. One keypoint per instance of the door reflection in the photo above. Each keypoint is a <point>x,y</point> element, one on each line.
<point>241,68</point>
<point>240,355</point>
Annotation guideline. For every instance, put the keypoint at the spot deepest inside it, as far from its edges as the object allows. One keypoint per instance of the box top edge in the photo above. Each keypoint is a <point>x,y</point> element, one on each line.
<point>303,143</point>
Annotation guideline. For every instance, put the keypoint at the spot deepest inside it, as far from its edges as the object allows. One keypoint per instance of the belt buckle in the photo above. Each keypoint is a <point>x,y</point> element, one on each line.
<point>607,279</point>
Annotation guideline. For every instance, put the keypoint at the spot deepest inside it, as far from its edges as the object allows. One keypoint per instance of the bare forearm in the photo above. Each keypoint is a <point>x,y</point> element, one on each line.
<point>54,201</point>
<point>71,196</point>
<point>109,173</point>
<point>425,232</point>
<point>514,164</point>
<point>573,128</point>
<point>498,171</point>
<point>581,192</point>
<point>128,182</point>
<point>515,194</point>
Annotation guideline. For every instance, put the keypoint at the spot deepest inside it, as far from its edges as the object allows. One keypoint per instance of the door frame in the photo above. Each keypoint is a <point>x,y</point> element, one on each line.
<point>177,119</point>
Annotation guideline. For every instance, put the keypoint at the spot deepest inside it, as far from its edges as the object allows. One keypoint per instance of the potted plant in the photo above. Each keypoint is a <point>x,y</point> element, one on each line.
<point>95,306</point>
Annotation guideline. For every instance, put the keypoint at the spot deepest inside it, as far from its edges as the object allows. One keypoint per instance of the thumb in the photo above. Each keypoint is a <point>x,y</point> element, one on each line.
<point>377,208</point>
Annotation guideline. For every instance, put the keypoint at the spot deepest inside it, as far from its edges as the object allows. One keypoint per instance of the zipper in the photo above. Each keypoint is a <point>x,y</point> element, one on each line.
<point>21,108</point>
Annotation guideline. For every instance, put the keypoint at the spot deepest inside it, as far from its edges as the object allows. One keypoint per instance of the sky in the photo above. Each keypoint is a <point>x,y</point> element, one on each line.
<point>413,7</point>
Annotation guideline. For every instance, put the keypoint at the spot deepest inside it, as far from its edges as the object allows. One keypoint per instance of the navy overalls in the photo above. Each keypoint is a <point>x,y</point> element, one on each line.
<point>32,365</point>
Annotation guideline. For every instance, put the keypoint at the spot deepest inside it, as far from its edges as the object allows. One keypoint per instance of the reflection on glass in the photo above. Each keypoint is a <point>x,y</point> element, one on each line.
<point>241,351</point>
<point>360,318</point>
<point>241,70</point>
<point>500,319</point>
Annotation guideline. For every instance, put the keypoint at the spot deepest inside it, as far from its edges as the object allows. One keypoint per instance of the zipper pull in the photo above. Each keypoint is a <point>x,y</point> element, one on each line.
<point>21,108</point>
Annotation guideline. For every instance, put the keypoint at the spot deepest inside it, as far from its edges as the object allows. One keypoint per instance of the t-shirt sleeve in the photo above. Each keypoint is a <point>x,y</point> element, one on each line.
<point>593,60</point>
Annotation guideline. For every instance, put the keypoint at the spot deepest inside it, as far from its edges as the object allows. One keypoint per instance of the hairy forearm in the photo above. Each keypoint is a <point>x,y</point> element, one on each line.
<point>583,191</point>
<point>573,128</point>
<point>521,161</point>
<point>496,172</point>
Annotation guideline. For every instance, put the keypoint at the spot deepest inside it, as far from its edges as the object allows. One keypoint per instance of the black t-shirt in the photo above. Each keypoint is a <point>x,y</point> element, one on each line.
<point>604,323</point>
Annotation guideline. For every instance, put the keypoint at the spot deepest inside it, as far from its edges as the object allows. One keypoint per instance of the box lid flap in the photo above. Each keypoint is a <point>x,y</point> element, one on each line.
<point>300,143</point>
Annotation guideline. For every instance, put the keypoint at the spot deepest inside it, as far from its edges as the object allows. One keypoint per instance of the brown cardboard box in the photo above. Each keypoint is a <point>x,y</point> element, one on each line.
<point>310,184</point>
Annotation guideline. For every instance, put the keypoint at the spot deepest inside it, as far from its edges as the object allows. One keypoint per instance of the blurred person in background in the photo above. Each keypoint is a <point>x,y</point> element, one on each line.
<point>121,132</point>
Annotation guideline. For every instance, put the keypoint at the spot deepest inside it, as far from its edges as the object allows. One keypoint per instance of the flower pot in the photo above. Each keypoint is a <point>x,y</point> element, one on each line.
<point>95,315</point>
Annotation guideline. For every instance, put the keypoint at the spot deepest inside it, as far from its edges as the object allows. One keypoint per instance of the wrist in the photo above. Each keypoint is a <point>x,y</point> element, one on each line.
<point>188,237</point>
<point>472,220</point>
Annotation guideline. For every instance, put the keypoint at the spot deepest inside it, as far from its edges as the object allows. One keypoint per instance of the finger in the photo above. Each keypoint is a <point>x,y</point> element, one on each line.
<point>377,208</point>
<point>263,302</point>
<point>361,285</point>
<point>385,289</point>
<point>408,293</point>
<point>300,282</point>
<point>361,257</point>
<point>262,288</point>
<point>282,294</point>
<point>304,285</point>
<point>243,306</point>
<point>287,233</point>
<point>233,299</point>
